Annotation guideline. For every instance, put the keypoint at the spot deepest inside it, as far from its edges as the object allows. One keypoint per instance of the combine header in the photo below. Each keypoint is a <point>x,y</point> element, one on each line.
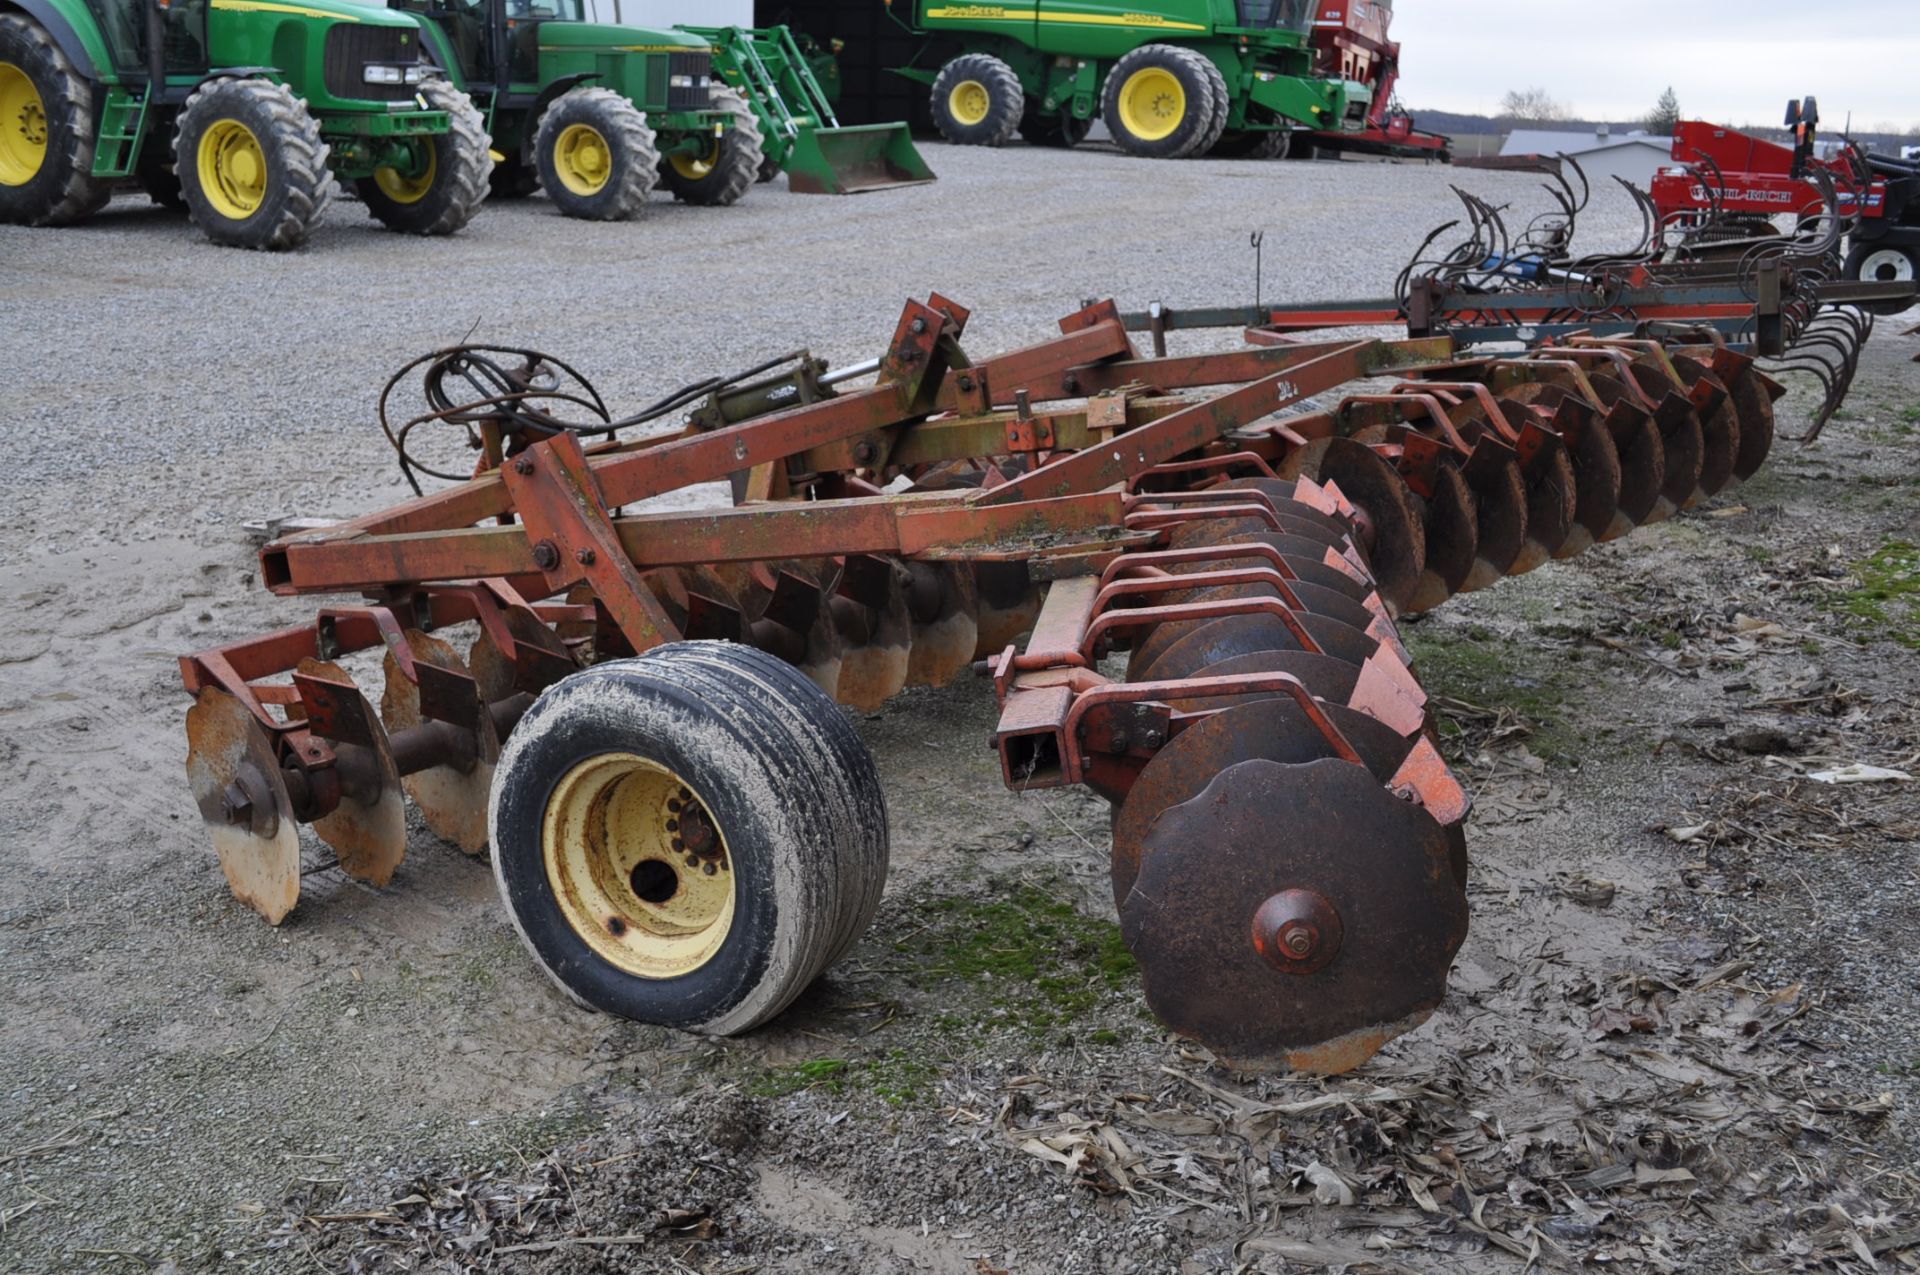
<point>1207,553</point>
<point>1350,43</point>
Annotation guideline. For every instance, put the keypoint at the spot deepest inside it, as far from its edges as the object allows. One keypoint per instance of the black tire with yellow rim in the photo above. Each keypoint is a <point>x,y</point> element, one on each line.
<point>252,165</point>
<point>688,838</point>
<point>596,155</point>
<point>725,167</point>
<point>450,176</point>
<point>1159,102</point>
<point>977,101</point>
<point>46,131</point>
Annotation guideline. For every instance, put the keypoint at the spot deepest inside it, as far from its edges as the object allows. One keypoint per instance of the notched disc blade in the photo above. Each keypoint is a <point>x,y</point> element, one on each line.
<point>452,801</point>
<point>367,830</point>
<point>237,785</point>
<point>1553,501</point>
<point>1500,523</point>
<point>1396,543</point>
<point>1753,407</point>
<point>1392,921</point>
<point>1719,427</point>
<point>1643,469</point>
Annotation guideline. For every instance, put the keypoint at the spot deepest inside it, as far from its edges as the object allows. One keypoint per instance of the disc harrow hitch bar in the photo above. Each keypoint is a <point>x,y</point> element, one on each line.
<point>1181,573</point>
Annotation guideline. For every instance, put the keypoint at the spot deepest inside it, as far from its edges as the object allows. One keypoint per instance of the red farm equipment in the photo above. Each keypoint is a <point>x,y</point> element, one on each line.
<point>1207,555</point>
<point>1726,185</point>
<point>1350,42</point>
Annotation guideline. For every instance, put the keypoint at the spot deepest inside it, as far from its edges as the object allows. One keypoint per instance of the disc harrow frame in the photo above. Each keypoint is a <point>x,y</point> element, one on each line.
<point>1245,525</point>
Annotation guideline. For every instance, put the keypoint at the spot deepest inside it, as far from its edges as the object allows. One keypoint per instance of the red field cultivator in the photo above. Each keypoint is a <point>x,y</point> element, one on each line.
<point>1207,554</point>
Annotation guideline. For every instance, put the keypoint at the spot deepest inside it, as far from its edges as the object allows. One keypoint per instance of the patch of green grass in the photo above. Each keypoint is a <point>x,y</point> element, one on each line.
<point>1494,672</point>
<point>829,1074</point>
<point>1031,953</point>
<point>895,1077</point>
<point>1888,599</point>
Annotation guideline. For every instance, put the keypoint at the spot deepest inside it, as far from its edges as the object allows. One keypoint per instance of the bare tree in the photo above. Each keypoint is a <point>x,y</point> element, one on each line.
<point>1532,106</point>
<point>1665,116</point>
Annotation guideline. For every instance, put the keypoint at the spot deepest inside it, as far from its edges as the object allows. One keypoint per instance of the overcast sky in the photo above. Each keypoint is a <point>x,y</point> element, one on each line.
<point>1610,59</point>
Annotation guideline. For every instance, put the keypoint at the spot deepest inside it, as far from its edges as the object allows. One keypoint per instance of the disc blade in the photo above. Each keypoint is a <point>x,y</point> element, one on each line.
<point>237,785</point>
<point>945,614</point>
<point>368,829</point>
<point>1452,538</point>
<point>453,801</point>
<point>1394,535</point>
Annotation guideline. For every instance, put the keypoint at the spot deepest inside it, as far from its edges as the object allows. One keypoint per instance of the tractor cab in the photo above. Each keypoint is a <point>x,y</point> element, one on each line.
<point>1277,15</point>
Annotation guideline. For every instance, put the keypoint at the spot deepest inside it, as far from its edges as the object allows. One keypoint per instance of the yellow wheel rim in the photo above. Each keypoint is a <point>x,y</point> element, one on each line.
<point>1152,103</point>
<point>233,169</point>
<point>639,868</point>
<point>582,159</point>
<point>694,167</point>
<point>23,127</point>
<point>969,102</point>
<point>402,189</point>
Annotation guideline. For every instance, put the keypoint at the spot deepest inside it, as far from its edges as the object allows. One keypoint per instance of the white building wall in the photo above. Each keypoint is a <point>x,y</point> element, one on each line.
<point>1636,163</point>
<point>666,13</point>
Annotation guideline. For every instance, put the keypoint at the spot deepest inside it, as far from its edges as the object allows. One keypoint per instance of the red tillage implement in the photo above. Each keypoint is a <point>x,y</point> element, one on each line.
<point>1206,565</point>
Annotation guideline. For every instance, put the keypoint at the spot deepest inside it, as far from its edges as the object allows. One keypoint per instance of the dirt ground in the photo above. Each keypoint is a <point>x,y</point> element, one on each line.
<point>1682,1035</point>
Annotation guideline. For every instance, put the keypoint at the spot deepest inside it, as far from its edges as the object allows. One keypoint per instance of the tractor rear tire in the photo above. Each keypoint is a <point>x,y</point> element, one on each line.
<point>977,101</point>
<point>46,131</point>
<point>1883,263</point>
<point>596,155</point>
<point>1158,101</point>
<point>458,177</point>
<point>688,838</point>
<point>729,168</point>
<point>1059,128</point>
<point>252,165</point>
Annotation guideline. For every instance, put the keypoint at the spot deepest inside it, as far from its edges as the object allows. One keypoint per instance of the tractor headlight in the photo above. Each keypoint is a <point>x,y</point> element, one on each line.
<point>377,74</point>
<point>687,81</point>
<point>418,73</point>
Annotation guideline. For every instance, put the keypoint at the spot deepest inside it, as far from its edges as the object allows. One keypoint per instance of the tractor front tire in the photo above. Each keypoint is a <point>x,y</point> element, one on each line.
<point>689,837</point>
<point>1159,102</point>
<point>1883,263</point>
<point>728,167</point>
<point>46,131</point>
<point>1059,128</point>
<point>977,101</point>
<point>596,155</point>
<point>458,176</point>
<point>252,165</point>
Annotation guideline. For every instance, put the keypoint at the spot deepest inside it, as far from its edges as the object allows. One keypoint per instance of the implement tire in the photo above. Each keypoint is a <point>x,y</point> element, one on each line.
<point>252,166</point>
<point>729,168</point>
<point>46,131</point>
<point>977,101</point>
<point>1158,101</point>
<point>689,837</point>
<point>596,155</point>
<point>458,177</point>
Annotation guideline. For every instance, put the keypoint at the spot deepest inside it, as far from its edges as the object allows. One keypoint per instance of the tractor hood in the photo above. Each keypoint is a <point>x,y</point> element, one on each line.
<point>591,37</point>
<point>338,10</point>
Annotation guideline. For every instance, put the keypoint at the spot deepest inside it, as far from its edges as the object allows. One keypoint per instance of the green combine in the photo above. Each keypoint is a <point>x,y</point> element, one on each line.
<point>1170,79</point>
<point>243,112</point>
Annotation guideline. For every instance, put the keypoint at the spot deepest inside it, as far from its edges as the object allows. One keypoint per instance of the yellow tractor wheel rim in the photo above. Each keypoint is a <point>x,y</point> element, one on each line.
<point>695,167</point>
<point>23,127</point>
<point>969,102</point>
<point>638,866</point>
<point>583,159</point>
<point>402,189</point>
<point>1152,103</point>
<point>233,169</point>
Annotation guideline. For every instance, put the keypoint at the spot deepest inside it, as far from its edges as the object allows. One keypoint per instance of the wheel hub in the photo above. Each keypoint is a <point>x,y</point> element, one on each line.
<point>233,169</point>
<point>583,159</point>
<point>638,866</point>
<point>23,127</point>
<point>969,102</point>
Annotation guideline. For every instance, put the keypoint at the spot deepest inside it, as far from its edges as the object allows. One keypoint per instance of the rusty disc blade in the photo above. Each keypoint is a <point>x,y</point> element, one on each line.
<point>873,651</point>
<point>1280,492</point>
<point>1643,457</point>
<point>368,829</point>
<point>1259,728</point>
<point>1196,644</point>
<point>1394,535</point>
<point>1376,691</point>
<point>1500,509</point>
<point>1752,407</point>
<point>1294,917</point>
<point>243,800</point>
<point>1208,531</point>
<point>1343,559</point>
<point>1596,468</point>
<point>1452,536</point>
<point>1553,494</point>
<point>944,608</point>
<point>1316,600</point>
<point>452,799</point>
<point>1719,426</point>
<point>1316,570</point>
<point>1683,451</point>
<point>1009,604</point>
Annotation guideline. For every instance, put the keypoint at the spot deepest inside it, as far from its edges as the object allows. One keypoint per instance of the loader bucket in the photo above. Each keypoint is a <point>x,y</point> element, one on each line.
<point>855,159</point>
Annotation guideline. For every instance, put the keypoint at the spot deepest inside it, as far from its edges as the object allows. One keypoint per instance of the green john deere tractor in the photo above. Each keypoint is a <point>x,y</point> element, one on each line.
<point>598,114</point>
<point>1170,79</point>
<point>243,112</point>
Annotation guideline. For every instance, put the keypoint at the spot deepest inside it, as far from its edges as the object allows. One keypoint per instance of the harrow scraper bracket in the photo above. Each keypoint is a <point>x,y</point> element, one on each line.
<point>1183,573</point>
